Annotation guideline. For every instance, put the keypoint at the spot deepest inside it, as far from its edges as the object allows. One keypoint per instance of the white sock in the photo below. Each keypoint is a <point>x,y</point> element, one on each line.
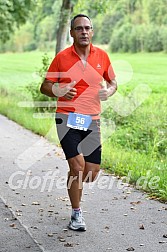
<point>74,210</point>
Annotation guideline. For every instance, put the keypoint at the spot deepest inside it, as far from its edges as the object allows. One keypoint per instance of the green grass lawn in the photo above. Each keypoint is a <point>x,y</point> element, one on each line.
<point>18,69</point>
<point>137,146</point>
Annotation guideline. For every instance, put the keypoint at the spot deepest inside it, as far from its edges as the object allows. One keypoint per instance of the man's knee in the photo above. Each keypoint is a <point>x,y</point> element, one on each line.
<point>77,171</point>
<point>77,166</point>
<point>91,176</point>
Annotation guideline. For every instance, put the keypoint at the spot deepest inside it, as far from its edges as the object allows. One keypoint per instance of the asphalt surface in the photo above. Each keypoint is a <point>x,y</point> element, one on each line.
<point>35,210</point>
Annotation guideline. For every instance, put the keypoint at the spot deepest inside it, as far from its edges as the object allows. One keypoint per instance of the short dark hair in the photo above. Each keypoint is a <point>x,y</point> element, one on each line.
<point>79,15</point>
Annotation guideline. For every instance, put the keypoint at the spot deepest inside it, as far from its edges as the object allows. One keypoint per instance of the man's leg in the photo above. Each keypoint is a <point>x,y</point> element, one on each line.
<point>75,185</point>
<point>79,171</point>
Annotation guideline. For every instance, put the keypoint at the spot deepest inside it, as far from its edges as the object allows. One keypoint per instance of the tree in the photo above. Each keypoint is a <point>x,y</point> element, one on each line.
<point>13,13</point>
<point>43,9</point>
<point>62,32</point>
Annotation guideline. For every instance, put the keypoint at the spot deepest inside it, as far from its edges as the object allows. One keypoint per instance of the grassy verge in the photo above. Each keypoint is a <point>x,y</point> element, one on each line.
<point>25,117</point>
<point>141,170</point>
<point>136,148</point>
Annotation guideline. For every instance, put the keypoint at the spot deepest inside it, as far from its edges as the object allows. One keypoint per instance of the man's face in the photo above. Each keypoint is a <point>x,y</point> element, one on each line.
<point>82,31</point>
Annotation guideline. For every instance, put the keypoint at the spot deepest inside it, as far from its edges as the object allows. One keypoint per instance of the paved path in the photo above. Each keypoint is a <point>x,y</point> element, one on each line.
<point>35,209</point>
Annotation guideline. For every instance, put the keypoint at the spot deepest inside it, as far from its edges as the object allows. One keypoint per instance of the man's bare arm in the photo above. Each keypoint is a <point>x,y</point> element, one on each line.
<point>111,87</point>
<point>47,88</point>
<point>50,89</point>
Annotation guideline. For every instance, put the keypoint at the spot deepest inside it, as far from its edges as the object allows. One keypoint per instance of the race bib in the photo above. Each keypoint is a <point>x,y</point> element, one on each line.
<point>79,121</point>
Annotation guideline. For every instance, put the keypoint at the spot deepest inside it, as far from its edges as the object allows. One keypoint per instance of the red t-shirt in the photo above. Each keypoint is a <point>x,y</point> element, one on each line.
<point>67,67</point>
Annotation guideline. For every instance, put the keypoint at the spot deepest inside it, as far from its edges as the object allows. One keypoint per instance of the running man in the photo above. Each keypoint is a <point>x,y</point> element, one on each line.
<point>75,76</point>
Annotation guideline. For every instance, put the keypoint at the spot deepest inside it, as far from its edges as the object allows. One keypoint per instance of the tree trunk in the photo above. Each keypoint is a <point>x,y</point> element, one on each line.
<point>63,25</point>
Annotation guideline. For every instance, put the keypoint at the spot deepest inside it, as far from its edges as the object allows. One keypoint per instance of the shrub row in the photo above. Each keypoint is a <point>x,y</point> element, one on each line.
<point>137,38</point>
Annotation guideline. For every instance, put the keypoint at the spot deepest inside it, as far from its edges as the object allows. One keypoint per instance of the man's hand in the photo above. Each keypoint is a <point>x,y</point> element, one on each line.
<point>68,92</point>
<point>105,92</point>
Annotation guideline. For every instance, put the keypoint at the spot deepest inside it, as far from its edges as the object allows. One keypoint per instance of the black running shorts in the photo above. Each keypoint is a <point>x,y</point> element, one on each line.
<point>74,141</point>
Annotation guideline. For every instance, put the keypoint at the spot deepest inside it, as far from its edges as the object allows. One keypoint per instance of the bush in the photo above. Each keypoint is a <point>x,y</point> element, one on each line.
<point>34,88</point>
<point>129,38</point>
<point>163,36</point>
<point>152,42</point>
<point>136,38</point>
<point>120,38</point>
<point>107,27</point>
<point>30,47</point>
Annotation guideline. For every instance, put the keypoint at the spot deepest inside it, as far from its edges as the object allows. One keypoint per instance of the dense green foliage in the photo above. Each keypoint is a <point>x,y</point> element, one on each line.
<point>127,25</point>
<point>13,13</point>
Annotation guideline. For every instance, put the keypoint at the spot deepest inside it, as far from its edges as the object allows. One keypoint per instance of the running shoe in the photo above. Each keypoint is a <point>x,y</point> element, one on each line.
<point>77,222</point>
